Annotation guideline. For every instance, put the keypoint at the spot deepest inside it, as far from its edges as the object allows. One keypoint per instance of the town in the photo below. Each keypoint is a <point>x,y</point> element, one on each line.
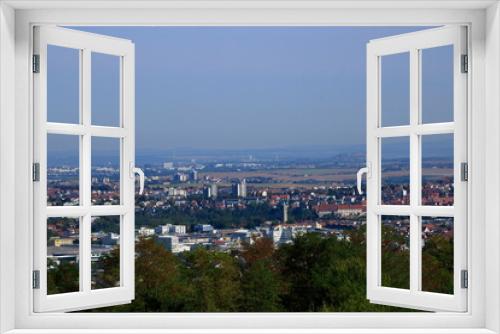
<point>221,206</point>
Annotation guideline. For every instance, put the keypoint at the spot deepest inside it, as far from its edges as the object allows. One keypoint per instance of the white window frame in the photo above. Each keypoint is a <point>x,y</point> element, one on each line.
<point>413,44</point>
<point>16,20</point>
<point>85,44</point>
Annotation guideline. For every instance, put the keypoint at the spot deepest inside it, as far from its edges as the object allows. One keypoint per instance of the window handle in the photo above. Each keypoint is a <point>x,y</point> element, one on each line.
<point>359,176</point>
<point>135,170</point>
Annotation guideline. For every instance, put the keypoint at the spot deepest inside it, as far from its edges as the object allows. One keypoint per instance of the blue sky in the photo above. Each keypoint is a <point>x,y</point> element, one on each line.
<point>242,87</point>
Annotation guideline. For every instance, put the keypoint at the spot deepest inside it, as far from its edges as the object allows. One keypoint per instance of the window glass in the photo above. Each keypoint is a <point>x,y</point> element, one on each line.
<point>395,89</point>
<point>105,89</point>
<point>395,171</point>
<point>437,170</point>
<point>395,250</point>
<point>105,252</point>
<point>437,254</point>
<point>105,171</point>
<point>63,255</point>
<point>63,170</point>
<point>437,84</point>
<point>63,78</point>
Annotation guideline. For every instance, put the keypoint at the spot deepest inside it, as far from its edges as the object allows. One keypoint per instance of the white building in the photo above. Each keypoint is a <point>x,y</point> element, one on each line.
<point>146,231</point>
<point>163,229</point>
<point>241,235</point>
<point>170,229</point>
<point>176,192</point>
<point>172,244</point>
<point>168,165</point>
<point>204,228</point>
<point>178,229</point>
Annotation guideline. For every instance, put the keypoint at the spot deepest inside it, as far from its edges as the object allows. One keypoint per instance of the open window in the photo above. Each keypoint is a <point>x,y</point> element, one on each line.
<point>414,112</point>
<point>404,130</point>
<point>83,65</point>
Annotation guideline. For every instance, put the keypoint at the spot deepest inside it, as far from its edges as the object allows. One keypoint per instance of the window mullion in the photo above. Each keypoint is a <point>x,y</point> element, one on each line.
<point>415,239</point>
<point>86,173</point>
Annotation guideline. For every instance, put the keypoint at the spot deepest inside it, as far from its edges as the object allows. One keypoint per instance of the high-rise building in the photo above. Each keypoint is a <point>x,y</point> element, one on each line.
<point>180,177</point>
<point>235,189</point>
<point>210,191</point>
<point>193,175</point>
<point>239,189</point>
<point>214,190</point>
<point>285,213</point>
<point>243,188</point>
<point>207,192</point>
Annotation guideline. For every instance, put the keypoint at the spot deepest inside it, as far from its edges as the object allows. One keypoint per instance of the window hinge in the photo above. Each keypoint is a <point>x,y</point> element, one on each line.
<point>464,171</point>
<point>36,172</point>
<point>465,63</point>
<point>464,279</point>
<point>36,63</point>
<point>36,279</point>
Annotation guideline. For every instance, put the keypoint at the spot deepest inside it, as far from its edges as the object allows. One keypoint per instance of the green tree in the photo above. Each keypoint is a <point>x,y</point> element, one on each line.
<point>437,265</point>
<point>159,285</point>
<point>63,277</point>
<point>214,281</point>
<point>395,259</point>
<point>260,288</point>
<point>261,284</point>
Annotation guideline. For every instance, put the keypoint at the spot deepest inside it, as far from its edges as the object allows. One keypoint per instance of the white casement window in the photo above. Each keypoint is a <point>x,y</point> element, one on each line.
<point>85,132</point>
<point>407,126</point>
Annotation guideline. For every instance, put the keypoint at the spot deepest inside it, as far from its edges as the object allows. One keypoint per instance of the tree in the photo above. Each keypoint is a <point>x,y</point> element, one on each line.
<point>159,285</point>
<point>326,274</point>
<point>261,284</point>
<point>437,265</point>
<point>260,288</point>
<point>62,278</point>
<point>395,259</point>
<point>214,281</point>
<point>261,248</point>
<point>106,271</point>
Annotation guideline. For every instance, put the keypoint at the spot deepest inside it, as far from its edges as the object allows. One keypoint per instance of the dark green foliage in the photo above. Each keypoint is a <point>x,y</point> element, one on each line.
<point>261,282</point>
<point>62,278</point>
<point>107,224</point>
<point>214,281</point>
<point>106,271</point>
<point>260,288</point>
<point>395,259</point>
<point>437,265</point>
<point>249,217</point>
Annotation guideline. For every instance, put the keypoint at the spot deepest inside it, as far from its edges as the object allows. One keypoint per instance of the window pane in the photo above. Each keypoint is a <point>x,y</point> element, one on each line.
<point>63,255</point>
<point>105,252</point>
<point>105,89</point>
<point>437,84</point>
<point>63,170</point>
<point>395,89</point>
<point>437,169</point>
<point>396,251</point>
<point>63,84</point>
<point>437,254</point>
<point>395,172</point>
<point>105,171</point>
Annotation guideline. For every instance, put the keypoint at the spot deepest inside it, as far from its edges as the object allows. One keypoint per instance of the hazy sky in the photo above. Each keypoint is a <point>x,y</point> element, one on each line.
<point>230,88</point>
